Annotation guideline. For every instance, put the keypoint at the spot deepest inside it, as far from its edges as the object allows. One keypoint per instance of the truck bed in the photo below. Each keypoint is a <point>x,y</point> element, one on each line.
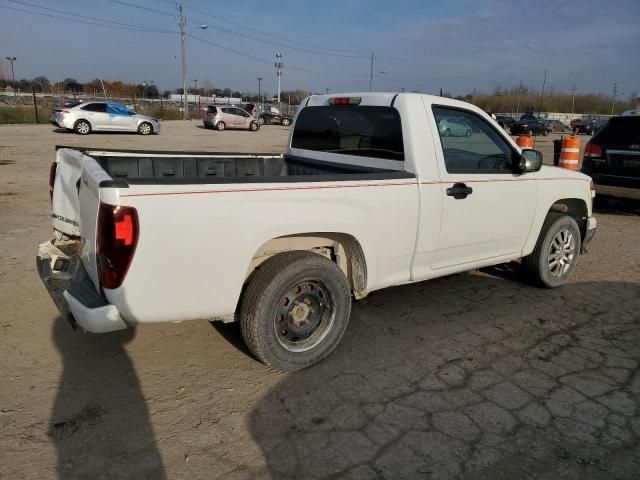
<point>127,167</point>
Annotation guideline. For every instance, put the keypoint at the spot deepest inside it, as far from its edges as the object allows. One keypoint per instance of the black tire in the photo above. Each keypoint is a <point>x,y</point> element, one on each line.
<point>537,266</point>
<point>145,128</point>
<point>261,120</point>
<point>254,126</point>
<point>269,306</point>
<point>468,133</point>
<point>220,126</point>
<point>82,127</point>
<point>286,122</point>
<point>545,133</point>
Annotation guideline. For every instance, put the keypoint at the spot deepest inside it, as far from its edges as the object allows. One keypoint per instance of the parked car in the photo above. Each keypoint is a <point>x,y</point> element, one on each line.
<point>455,127</point>
<point>269,114</point>
<point>612,159</point>
<point>251,108</point>
<point>505,121</point>
<point>556,126</point>
<point>583,126</point>
<point>222,117</point>
<point>87,117</point>
<point>530,127</point>
<point>367,196</point>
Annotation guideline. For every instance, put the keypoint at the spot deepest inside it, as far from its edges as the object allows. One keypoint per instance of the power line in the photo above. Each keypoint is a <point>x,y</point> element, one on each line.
<point>94,20</point>
<point>262,60</point>
<point>141,7</point>
<point>283,45</point>
<point>267,34</point>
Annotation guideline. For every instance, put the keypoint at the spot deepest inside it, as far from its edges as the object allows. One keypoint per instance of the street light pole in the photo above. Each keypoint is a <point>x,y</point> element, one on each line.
<point>278,66</point>
<point>185,100</point>
<point>13,76</point>
<point>259,89</point>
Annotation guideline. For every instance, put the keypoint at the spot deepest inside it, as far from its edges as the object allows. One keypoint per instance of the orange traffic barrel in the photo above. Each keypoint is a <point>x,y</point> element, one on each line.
<point>570,153</point>
<point>525,141</point>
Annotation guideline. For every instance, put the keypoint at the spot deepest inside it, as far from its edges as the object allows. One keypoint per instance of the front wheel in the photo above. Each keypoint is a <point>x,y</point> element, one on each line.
<point>295,310</point>
<point>446,133</point>
<point>254,126</point>
<point>468,133</point>
<point>145,128</point>
<point>286,122</point>
<point>261,120</point>
<point>555,255</point>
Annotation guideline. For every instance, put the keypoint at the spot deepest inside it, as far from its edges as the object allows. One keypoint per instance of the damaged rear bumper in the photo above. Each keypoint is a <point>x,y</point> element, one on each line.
<point>74,293</point>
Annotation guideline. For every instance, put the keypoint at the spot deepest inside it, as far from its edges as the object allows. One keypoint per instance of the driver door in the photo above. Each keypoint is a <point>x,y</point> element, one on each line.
<point>487,209</point>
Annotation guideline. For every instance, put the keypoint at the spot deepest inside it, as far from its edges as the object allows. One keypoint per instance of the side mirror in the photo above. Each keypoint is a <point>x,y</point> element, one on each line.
<point>530,161</point>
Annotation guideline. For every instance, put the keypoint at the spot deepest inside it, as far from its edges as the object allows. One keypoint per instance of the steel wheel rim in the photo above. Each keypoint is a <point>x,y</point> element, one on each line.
<point>304,316</point>
<point>561,253</point>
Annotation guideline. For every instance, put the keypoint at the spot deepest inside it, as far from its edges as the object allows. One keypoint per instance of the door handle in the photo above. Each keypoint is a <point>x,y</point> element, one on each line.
<point>459,191</point>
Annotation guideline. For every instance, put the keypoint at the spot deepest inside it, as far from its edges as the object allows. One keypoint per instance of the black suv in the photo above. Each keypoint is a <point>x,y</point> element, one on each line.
<point>612,159</point>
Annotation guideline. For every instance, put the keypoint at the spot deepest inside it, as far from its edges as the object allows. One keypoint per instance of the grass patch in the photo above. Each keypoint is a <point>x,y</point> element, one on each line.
<point>20,114</point>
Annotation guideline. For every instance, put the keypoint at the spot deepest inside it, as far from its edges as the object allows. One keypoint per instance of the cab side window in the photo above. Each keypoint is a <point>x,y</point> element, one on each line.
<point>95,107</point>
<point>470,144</point>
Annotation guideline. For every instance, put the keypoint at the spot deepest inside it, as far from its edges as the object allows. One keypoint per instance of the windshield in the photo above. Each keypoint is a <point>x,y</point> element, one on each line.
<point>366,131</point>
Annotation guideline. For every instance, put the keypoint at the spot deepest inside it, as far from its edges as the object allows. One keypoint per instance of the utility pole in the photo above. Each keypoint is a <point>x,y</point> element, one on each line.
<point>371,73</point>
<point>327,91</point>
<point>278,66</point>
<point>13,75</point>
<point>613,100</point>
<point>259,89</point>
<point>402,89</point>
<point>518,104</point>
<point>573,98</point>
<point>185,102</point>
<point>544,82</point>
<point>195,85</point>
<point>440,91</point>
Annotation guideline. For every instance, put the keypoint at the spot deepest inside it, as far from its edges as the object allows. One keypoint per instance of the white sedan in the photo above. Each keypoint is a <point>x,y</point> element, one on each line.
<point>84,118</point>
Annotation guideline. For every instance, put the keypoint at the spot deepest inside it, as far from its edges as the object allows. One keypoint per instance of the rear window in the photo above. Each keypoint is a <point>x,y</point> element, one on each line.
<point>211,109</point>
<point>365,131</point>
<point>621,131</point>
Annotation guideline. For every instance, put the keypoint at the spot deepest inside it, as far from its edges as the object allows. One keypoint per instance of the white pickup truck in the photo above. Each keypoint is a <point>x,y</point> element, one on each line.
<point>374,190</point>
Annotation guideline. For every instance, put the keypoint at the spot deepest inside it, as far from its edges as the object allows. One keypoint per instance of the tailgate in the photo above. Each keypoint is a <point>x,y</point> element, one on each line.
<point>75,202</point>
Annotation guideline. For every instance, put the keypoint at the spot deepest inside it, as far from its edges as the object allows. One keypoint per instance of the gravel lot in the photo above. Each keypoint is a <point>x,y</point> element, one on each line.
<point>471,376</point>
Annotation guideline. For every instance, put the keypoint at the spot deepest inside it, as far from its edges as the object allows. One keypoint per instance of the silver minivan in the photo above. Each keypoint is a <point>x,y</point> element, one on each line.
<point>228,116</point>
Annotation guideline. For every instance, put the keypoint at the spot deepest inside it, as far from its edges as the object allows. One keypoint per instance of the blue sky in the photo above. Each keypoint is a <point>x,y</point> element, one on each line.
<point>457,45</point>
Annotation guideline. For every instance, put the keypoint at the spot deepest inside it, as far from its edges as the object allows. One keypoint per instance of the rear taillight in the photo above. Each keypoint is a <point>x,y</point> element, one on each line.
<point>592,150</point>
<point>345,100</point>
<point>52,178</point>
<point>116,240</point>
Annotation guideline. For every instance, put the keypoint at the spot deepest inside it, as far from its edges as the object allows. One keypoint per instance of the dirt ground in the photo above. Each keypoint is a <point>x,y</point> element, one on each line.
<point>473,376</point>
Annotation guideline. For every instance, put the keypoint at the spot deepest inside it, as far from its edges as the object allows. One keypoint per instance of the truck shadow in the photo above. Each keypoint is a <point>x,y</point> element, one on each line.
<point>451,379</point>
<point>100,423</point>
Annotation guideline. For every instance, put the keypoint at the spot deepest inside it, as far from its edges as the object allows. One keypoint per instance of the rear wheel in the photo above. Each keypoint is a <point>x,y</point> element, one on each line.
<point>261,120</point>
<point>555,255</point>
<point>220,126</point>
<point>446,133</point>
<point>468,133</point>
<point>286,122</point>
<point>145,128</point>
<point>295,310</point>
<point>82,127</point>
